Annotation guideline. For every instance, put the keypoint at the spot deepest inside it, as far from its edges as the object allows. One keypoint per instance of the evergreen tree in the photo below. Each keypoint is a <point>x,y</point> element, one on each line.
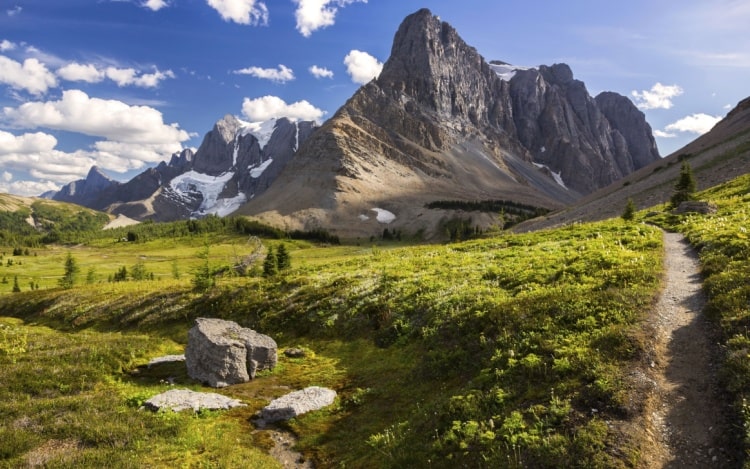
<point>138,271</point>
<point>71,273</point>
<point>270,264</point>
<point>16,287</point>
<point>629,212</point>
<point>685,186</point>
<point>283,261</point>
<point>91,276</point>
<point>202,279</point>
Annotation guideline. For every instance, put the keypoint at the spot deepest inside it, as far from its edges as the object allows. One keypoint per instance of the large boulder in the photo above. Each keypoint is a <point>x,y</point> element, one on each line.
<point>221,352</point>
<point>297,403</point>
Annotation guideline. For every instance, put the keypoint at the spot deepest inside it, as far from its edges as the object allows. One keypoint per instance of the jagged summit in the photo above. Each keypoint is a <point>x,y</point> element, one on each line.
<point>442,123</point>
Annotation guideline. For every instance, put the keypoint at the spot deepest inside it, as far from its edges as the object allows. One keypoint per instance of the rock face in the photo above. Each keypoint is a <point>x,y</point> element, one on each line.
<point>297,403</point>
<point>86,190</point>
<point>184,399</point>
<point>221,353</point>
<point>696,206</point>
<point>440,123</point>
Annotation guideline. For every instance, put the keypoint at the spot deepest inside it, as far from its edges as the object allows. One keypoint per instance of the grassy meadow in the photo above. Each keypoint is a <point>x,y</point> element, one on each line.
<point>507,351</point>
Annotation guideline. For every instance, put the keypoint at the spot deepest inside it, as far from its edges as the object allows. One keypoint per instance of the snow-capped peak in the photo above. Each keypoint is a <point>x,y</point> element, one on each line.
<point>506,71</point>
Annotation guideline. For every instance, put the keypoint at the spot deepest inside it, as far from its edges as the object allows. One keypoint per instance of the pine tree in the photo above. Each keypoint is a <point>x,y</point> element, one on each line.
<point>16,287</point>
<point>629,212</point>
<point>270,264</point>
<point>685,186</point>
<point>71,273</point>
<point>283,261</point>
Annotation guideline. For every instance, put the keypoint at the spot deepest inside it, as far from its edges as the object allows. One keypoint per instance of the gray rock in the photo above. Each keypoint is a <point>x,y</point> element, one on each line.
<point>183,399</point>
<point>166,359</point>
<point>221,353</point>
<point>295,353</point>
<point>297,403</point>
<point>696,206</point>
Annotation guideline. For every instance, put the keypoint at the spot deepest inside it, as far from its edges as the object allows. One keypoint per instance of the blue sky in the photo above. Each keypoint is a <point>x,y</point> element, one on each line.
<point>124,83</point>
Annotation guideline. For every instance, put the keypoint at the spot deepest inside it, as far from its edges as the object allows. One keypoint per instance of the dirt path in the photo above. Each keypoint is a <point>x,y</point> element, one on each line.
<point>687,416</point>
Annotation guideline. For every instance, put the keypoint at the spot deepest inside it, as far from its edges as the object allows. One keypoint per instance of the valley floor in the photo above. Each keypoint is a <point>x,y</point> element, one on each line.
<point>687,417</point>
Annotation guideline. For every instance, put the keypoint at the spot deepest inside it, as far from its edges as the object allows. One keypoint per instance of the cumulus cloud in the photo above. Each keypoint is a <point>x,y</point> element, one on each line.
<point>80,72</point>
<point>35,153</point>
<point>269,107</point>
<point>111,119</point>
<point>31,75</point>
<point>362,67</point>
<point>312,15</point>
<point>6,45</point>
<point>28,188</point>
<point>7,177</point>
<point>16,10</point>
<point>658,97</point>
<point>320,72</point>
<point>252,12</point>
<point>282,74</point>
<point>699,124</point>
<point>155,5</point>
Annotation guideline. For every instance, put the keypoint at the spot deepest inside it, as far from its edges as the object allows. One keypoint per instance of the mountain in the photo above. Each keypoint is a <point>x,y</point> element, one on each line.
<point>83,191</point>
<point>236,161</point>
<point>441,123</point>
<point>715,157</point>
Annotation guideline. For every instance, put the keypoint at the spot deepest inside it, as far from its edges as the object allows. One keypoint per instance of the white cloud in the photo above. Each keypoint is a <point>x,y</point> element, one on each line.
<point>80,72</point>
<point>282,74</point>
<point>269,107</point>
<point>32,76</point>
<point>658,97</point>
<point>35,153</point>
<point>130,76</point>
<point>14,11</point>
<point>111,119</point>
<point>320,72</point>
<point>727,106</point>
<point>28,188</point>
<point>155,5</point>
<point>696,123</point>
<point>362,67</point>
<point>251,12</point>
<point>6,45</point>
<point>7,177</point>
<point>663,134</point>
<point>132,137</point>
<point>312,15</point>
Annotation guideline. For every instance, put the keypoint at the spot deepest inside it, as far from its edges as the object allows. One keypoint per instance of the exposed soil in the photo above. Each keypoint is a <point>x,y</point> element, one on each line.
<point>686,416</point>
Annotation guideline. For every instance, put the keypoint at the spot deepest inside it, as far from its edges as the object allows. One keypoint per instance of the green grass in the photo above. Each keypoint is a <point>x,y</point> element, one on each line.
<point>485,353</point>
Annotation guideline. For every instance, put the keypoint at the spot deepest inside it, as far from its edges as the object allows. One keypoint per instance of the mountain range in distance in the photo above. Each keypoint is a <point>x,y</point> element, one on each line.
<point>440,123</point>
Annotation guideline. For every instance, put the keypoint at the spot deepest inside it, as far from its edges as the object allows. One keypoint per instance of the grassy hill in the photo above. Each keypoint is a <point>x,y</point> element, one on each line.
<point>513,350</point>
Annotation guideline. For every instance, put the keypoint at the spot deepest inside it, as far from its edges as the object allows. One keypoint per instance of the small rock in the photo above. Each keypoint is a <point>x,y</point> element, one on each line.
<point>166,359</point>
<point>183,399</point>
<point>295,353</point>
<point>297,403</point>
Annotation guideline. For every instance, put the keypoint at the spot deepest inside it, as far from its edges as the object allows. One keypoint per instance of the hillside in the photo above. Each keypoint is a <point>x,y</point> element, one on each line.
<point>716,157</point>
<point>43,219</point>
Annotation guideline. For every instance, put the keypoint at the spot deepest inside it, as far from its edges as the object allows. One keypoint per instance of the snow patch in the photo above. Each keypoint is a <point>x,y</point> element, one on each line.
<point>210,187</point>
<point>260,130</point>
<point>257,170</point>
<point>384,216</point>
<point>507,71</point>
<point>556,176</point>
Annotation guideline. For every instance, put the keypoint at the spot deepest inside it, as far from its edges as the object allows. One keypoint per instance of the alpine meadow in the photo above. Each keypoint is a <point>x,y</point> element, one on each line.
<point>481,264</point>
